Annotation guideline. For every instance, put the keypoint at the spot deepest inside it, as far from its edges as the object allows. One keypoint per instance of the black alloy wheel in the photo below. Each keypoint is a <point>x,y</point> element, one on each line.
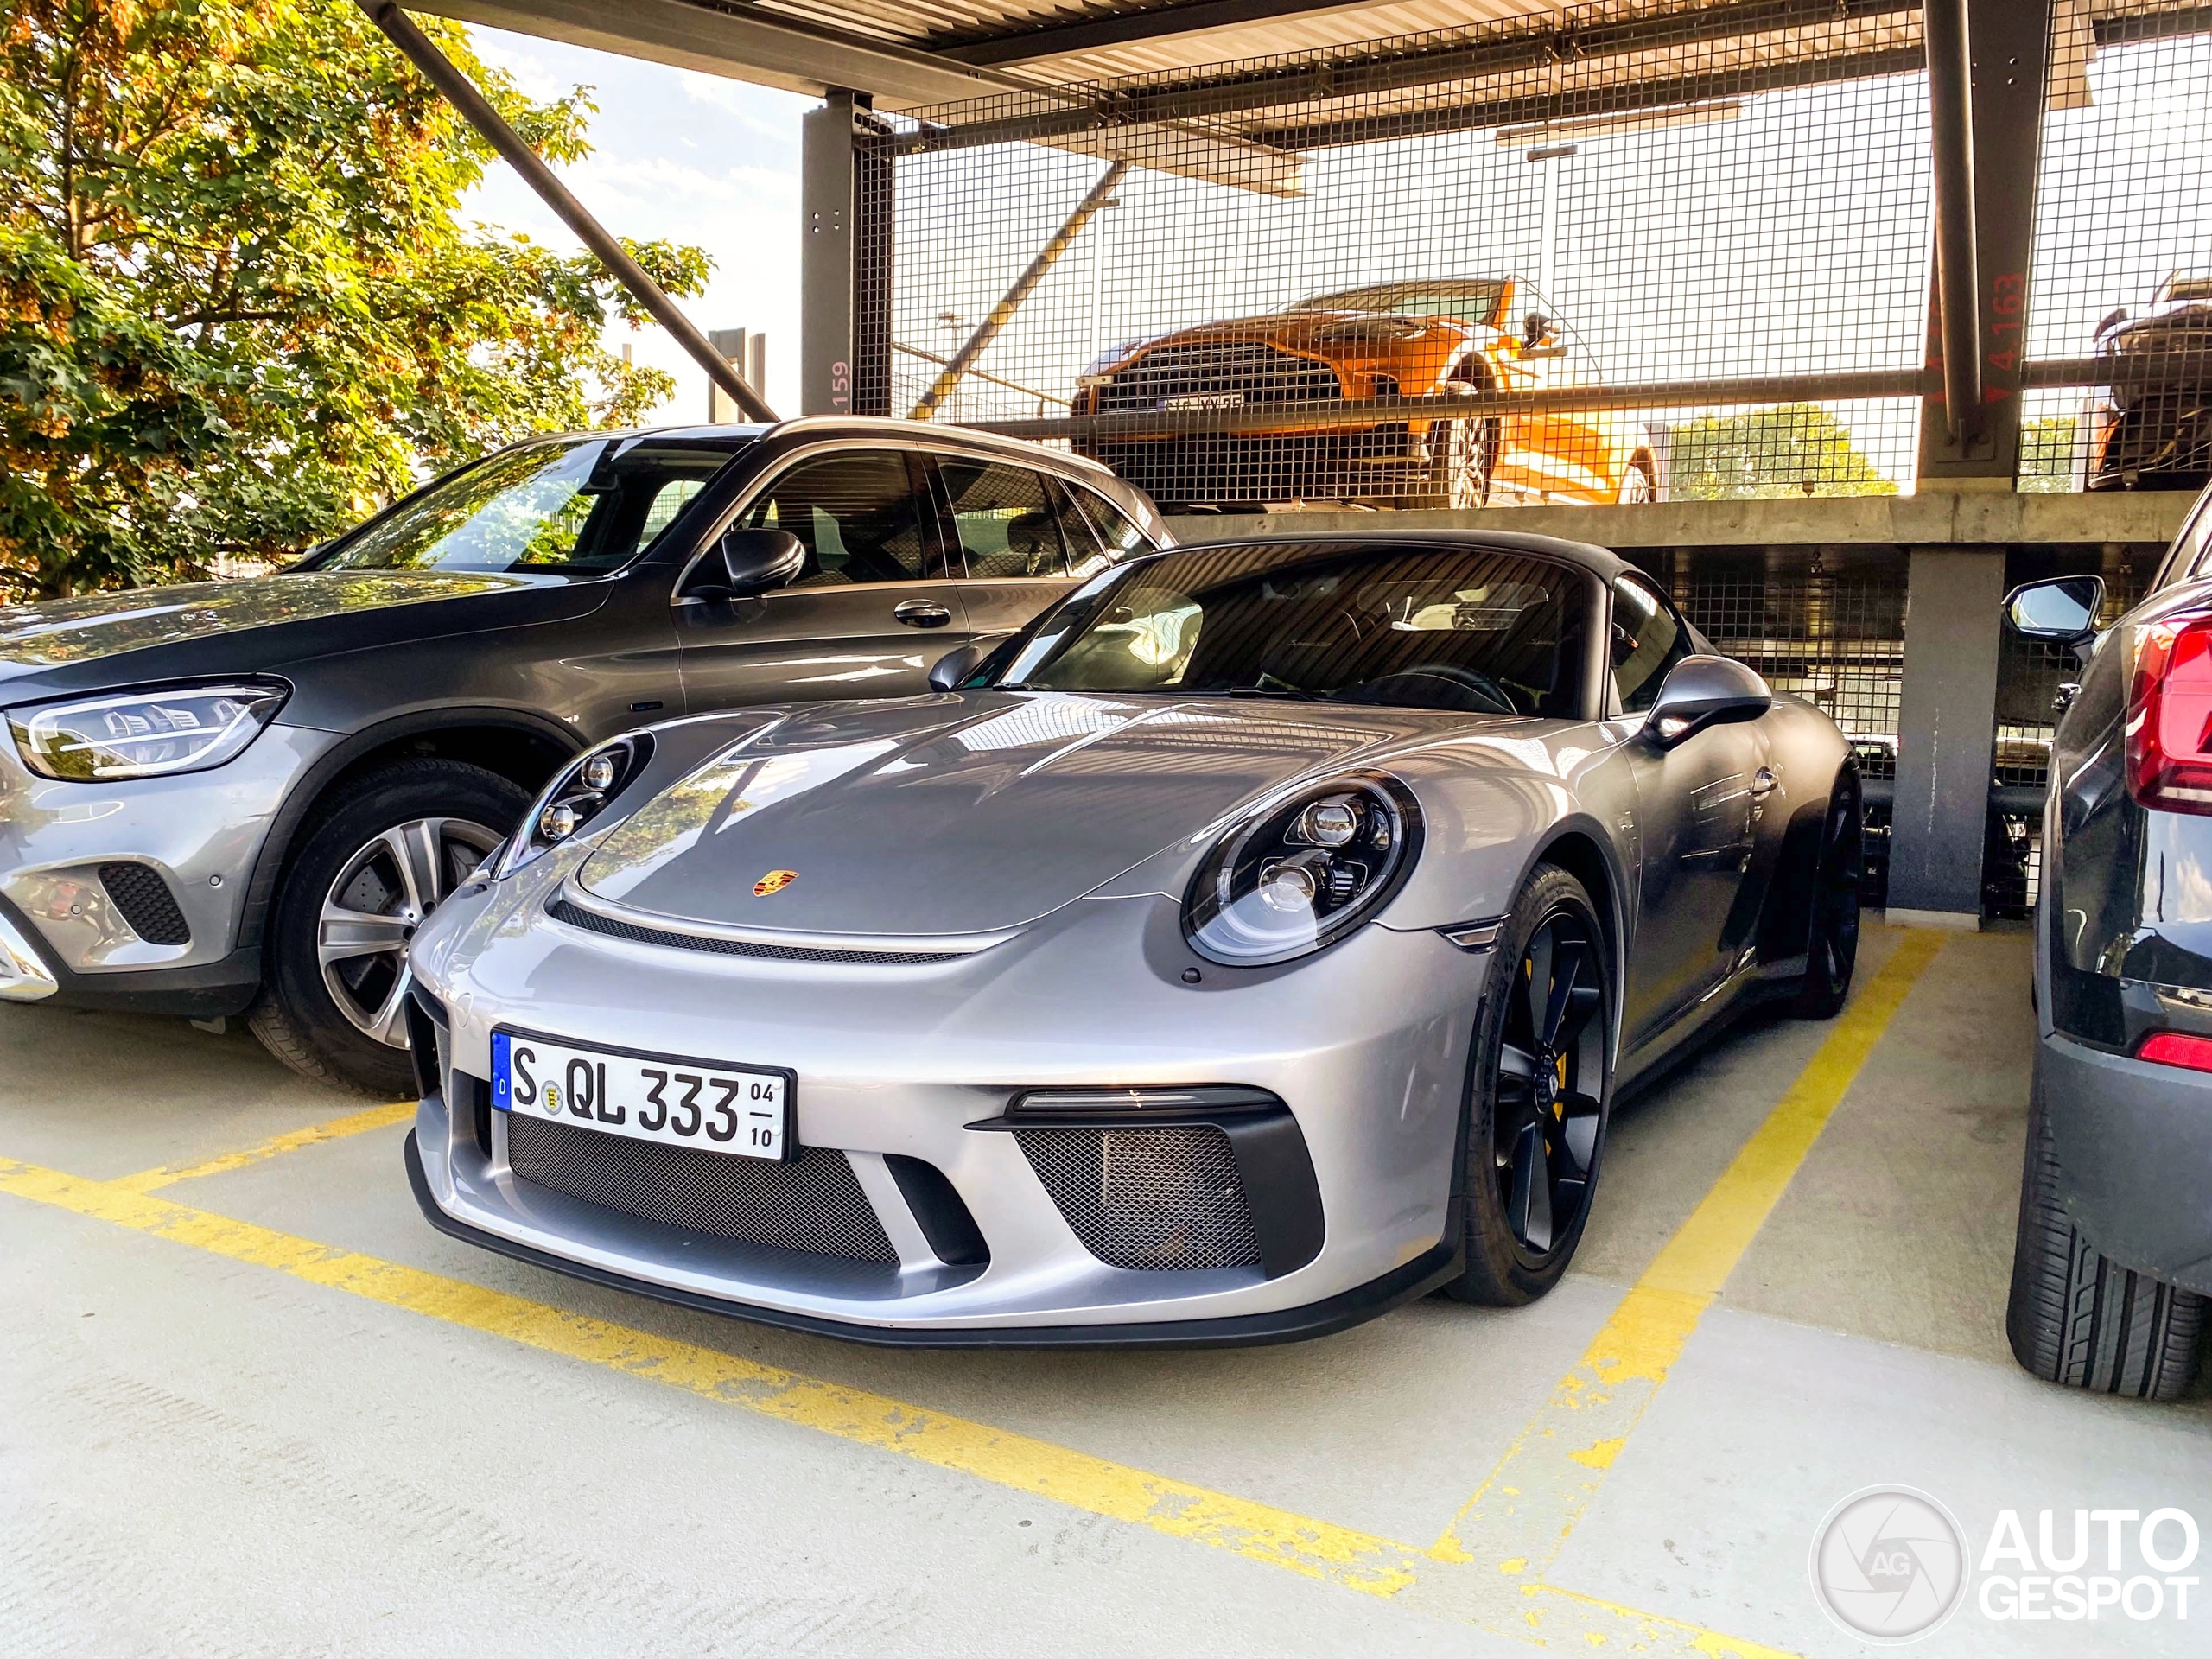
<point>1832,933</point>
<point>1539,1100</point>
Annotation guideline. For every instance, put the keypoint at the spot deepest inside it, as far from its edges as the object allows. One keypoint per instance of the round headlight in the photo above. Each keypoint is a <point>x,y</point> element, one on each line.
<point>575,797</point>
<point>1298,876</point>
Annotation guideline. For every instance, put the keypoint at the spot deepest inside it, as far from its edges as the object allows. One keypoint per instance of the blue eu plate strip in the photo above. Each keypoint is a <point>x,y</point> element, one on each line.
<point>501,1043</point>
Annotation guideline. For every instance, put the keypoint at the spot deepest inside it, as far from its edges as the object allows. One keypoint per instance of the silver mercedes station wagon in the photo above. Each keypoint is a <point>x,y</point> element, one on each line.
<point>1255,941</point>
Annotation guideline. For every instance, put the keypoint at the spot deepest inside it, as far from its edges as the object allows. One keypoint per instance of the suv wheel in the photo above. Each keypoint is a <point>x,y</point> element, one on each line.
<point>2079,1318</point>
<point>386,850</point>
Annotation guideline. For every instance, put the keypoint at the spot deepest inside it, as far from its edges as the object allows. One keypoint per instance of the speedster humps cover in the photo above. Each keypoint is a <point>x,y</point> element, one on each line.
<point>1254,942</point>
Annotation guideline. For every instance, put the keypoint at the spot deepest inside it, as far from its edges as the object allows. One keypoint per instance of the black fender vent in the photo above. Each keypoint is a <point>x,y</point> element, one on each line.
<point>813,1202</point>
<point>575,916</point>
<point>143,900</point>
<point>1165,1199</point>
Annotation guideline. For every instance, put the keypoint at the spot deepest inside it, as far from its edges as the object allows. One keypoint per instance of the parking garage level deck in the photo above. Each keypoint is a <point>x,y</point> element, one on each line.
<point>239,1365</point>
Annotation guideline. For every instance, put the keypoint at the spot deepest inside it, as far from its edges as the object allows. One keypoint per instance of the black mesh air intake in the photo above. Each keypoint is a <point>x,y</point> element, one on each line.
<point>813,1204</point>
<point>143,900</point>
<point>1158,1199</point>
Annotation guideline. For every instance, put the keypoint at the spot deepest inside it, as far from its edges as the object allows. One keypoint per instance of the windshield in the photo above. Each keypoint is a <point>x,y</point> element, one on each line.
<point>1470,630</point>
<point>1466,301</point>
<point>570,505</point>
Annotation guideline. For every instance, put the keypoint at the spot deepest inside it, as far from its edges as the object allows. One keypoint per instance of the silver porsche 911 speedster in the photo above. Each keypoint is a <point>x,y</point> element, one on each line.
<point>1256,940</point>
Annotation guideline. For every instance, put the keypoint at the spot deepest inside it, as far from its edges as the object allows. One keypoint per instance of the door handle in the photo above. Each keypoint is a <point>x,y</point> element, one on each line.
<point>922,613</point>
<point>1763,782</point>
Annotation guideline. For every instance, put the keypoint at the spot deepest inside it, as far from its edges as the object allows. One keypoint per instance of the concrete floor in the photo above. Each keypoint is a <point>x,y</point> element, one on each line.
<point>217,1441</point>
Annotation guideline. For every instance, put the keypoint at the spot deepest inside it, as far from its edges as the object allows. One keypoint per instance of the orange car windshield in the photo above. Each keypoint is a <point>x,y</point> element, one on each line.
<point>1465,302</point>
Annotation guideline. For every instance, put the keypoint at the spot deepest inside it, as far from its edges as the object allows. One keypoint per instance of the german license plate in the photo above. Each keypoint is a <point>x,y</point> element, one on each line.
<point>1205,400</point>
<point>742,1111</point>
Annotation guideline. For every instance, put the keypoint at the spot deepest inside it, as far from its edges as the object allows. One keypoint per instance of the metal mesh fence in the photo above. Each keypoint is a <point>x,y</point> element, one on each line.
<point>1836,639</point>
<point>1598,255</point>
<point>1607,253</point>
<point>2122,268</point>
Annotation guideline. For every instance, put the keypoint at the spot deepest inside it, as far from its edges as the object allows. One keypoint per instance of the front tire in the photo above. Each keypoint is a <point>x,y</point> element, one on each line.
<point>1539,1094</point>
<point>2078,1318</point>
<point>1832,927</point>
<point>1461,457</point>
<point>386,849</point>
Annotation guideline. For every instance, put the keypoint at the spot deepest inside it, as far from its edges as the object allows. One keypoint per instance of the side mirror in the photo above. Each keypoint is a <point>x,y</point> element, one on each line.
<point>1702,691</point>
<point>1534,327</point>
<point>2112,319</point>
<point>956,666</point>
<point>758,560</point>
<point>2062,611</point>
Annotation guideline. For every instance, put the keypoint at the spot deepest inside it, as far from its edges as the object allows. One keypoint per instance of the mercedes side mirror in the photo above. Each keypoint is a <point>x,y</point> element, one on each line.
<point>1702,691</point>
<point>754,560</point>
<point>956,666</point>
<point>1534,327</point>
<point>2062,611</point>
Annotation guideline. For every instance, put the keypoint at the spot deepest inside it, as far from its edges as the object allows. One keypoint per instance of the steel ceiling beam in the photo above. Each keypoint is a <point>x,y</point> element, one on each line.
<point>1101,34</point>
<point>476,109</point>
<point>1278,83</point>
<point>1627,98</point>
<point>743,42</point>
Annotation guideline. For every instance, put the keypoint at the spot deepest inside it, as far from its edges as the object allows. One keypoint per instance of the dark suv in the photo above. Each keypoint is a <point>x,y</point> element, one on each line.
<point>231,797</point>
<point>2114,1256</point>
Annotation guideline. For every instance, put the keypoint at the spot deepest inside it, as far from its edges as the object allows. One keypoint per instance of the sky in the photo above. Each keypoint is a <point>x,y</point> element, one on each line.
<point>678,155</point>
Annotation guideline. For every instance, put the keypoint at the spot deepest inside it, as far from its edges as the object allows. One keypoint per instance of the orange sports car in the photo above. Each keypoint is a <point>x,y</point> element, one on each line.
<point>1391,340</point>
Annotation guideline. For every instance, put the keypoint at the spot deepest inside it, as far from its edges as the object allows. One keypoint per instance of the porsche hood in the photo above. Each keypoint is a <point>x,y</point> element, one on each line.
<point>940,815</point>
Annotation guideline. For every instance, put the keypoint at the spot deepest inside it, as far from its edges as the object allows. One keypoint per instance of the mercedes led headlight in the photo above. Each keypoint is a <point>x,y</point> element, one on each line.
<point>144,734</point>
<point>575,797</point>
<point>1298,876</point>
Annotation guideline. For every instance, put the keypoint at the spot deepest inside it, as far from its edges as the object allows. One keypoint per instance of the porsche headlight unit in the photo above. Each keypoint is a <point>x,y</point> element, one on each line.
<point>1300,873</point>
<point>578,793</point>
<point>144,734</point>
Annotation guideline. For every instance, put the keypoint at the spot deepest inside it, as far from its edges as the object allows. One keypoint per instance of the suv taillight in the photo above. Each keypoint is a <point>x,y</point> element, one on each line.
<point>2170,715</point>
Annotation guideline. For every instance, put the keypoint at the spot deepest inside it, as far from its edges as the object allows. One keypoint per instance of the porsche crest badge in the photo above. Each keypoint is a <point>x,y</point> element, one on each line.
<point>774,881</point>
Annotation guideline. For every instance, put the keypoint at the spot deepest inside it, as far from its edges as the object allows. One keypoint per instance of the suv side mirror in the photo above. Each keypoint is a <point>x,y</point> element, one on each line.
<point>956,666</point>
<point>1702,691</point>
<point>2062,611</point>
<point>758,560</point>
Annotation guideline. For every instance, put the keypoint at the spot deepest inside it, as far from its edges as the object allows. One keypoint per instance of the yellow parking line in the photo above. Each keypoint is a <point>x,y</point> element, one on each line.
<point>1520,1517</point>
<point>1527,1610</point>
<point>1314,1549</point>
<point>1535,1495</point>
<point>375,1117</point>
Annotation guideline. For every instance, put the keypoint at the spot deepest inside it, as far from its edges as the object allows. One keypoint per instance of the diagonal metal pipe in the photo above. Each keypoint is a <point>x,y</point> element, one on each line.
<point>1025,284</point>
<point>1958,285</point>
<point>465,96</point>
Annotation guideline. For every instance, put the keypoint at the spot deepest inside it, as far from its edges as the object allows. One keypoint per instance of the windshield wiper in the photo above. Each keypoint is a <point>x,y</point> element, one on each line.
<point>1281,693</point>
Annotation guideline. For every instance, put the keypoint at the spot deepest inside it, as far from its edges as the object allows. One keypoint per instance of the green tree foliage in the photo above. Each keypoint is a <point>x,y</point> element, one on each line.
<point>2047,453</point>
<point>237,309</point>
<point>1792,449</point>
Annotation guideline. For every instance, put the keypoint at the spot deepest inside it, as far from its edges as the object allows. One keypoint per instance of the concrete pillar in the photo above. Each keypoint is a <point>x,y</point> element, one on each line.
<point>1946,736</point>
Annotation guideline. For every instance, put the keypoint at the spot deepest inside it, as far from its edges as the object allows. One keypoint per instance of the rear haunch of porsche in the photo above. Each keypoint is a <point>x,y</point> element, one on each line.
<point>1256,940</point>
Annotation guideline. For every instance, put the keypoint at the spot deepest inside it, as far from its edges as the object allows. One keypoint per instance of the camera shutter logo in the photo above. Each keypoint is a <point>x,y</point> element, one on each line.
<point>1890,1564</point>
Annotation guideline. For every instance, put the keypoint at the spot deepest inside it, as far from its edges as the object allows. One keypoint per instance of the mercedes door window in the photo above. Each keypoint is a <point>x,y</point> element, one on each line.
<point>566,506</point>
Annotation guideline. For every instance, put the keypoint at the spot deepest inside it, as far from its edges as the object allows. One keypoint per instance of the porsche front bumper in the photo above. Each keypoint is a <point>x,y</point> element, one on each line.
<point>1365,1046</point>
